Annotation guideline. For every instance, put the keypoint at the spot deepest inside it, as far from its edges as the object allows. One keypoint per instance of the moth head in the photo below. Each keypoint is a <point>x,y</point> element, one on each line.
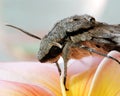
<point>74,23</point>
<point>49,51</point>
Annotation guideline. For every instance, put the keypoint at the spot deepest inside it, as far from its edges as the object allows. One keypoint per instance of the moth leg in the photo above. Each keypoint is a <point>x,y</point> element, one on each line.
<point>58,67</point>
<point>65,56</point>
<point>99,53</point>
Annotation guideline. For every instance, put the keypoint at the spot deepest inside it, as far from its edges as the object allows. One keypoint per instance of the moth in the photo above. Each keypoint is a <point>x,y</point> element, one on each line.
<point>76,37</point>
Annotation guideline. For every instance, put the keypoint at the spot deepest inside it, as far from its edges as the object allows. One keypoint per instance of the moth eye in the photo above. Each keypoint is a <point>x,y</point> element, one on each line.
<point>92,20</point>
<point>54,51</point>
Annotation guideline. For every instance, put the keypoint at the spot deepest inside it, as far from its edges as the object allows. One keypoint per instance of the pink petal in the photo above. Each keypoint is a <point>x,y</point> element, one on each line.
<point>8,88</point>
<point>32,73</point>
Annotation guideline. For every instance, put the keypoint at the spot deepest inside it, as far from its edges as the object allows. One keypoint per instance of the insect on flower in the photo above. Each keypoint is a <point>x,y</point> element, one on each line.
<point>77,37</point>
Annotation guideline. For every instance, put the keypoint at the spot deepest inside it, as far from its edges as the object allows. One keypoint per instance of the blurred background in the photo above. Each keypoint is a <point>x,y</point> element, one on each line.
<point>38,17</point>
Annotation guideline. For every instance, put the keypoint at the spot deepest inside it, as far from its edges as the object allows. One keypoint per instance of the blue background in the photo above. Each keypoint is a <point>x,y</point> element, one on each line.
<point>38,17</point>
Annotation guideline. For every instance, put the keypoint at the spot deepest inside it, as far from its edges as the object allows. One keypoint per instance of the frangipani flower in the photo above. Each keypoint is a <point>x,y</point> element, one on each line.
<point>90,76</point>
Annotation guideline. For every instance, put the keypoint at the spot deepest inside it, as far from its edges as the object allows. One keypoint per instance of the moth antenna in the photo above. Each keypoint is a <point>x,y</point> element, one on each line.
<point>34,36</point>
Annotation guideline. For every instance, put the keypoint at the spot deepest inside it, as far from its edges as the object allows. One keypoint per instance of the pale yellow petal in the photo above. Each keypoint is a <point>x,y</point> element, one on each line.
<point>106,81</point>
<point>79,85</point>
